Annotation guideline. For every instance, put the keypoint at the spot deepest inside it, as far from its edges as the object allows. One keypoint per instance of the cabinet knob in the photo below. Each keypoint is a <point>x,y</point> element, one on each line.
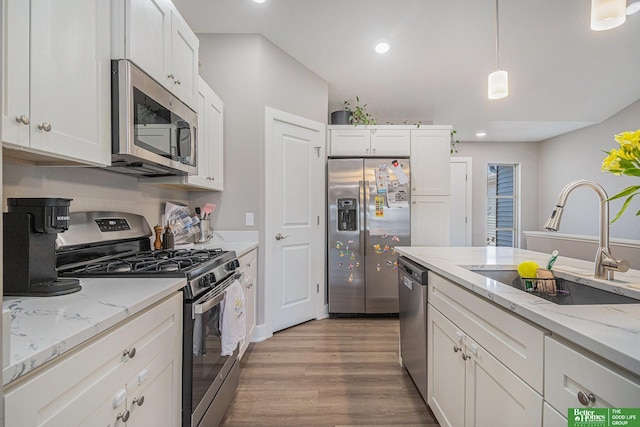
<point>414,202</point>
<point>171,76</point>
<point>366,150</point>
<point>124,416</point>
<point>374,150</point>
<point>23,119</point>
<point>456,348</point>
<point>45,126</point>
<point>413,188</point>
<point>586,398</point>
<point>465,356</point>
<point>130,353</point>
<point>138,401</point>
<point>178,82</point>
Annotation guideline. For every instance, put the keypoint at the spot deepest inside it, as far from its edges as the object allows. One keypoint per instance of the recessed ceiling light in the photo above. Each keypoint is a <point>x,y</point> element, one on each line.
<point>259,1</point>
<point>481,134</point>
<point>382,47</point>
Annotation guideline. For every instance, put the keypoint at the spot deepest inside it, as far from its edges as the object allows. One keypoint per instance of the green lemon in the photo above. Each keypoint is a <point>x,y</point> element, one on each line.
<point>528,269</point>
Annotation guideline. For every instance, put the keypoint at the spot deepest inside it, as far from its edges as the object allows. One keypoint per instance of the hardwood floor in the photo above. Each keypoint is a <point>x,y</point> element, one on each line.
<point>330,372</point>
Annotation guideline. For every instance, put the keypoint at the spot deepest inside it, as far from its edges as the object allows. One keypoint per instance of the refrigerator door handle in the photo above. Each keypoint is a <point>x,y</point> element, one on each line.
<point>365,220</point>
<point>361,213</point>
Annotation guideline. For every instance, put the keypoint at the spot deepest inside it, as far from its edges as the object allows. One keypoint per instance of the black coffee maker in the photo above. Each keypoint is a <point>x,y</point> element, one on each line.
<point>30,230</point>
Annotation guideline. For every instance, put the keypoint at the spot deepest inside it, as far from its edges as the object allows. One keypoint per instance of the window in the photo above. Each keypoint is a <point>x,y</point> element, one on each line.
<point>502,223</point>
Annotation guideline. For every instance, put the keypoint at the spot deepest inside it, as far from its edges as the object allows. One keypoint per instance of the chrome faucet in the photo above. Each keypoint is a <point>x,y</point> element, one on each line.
<point>605,263</point>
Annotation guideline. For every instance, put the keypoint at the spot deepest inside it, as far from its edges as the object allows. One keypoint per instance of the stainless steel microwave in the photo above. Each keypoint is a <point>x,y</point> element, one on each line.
<point>153,132</point>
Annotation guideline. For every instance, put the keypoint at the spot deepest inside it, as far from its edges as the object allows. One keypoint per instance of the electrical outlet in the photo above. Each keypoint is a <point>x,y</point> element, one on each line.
<point>248,219</point>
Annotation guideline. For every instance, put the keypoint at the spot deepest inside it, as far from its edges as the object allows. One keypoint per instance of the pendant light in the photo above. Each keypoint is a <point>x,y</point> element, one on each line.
<point>607,14</point>
<point>499,79</point>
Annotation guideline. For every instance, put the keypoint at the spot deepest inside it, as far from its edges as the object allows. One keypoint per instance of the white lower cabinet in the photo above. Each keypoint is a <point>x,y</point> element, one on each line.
<point>484,365</point>
<point>130,375</point>
<point>249,269</point>
<point>470,387</point>
<point>575,379</point>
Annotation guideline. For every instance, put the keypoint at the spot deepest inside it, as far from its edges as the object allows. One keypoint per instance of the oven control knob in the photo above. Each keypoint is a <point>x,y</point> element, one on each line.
<point>232,265</point>
<point>205,281</point>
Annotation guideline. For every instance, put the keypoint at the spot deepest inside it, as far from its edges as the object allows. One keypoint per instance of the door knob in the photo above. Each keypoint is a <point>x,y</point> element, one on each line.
<point>280,236</point>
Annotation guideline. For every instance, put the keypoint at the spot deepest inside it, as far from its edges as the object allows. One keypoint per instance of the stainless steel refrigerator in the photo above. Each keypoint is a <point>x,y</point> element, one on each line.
<point>369,214</point>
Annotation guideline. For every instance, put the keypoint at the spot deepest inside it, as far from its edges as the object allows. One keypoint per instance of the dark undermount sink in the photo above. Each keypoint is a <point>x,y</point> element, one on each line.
<point>569,292</point>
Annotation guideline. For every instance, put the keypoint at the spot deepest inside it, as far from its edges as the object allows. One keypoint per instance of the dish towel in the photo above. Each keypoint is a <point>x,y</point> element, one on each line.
<point>233,324</point>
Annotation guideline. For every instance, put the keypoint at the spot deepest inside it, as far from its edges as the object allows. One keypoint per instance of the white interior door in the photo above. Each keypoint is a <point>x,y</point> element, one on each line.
<point>460,201</point>
<point>295,220</point>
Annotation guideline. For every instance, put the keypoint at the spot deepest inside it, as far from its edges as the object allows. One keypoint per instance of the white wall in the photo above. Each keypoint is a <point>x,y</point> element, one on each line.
<point>90,189</point>
<point>525,154</point>
<point>249,73</point>
<point>578,155</point>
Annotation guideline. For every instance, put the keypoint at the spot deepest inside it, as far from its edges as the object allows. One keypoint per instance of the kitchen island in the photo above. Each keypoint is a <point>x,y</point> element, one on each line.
<point>492,348</point>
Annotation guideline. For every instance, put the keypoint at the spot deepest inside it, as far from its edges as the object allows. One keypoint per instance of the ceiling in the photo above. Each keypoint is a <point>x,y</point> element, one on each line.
<point>562,75</point>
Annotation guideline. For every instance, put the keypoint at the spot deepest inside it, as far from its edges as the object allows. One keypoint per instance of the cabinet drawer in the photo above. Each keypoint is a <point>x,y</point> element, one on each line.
<point>94,371</point>
<point>569,372</point>
<point>513,341</point>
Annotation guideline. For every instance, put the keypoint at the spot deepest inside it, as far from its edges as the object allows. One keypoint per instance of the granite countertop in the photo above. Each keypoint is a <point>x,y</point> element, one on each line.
<point>610,331</point>
<point>43,328</point>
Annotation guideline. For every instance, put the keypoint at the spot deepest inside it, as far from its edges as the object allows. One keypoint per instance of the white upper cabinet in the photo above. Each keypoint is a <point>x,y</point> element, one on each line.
<point>56,81</point>
<point>430,161</point>
<point>210,138</point>
<point>153,35</point>
<point>374,141</point>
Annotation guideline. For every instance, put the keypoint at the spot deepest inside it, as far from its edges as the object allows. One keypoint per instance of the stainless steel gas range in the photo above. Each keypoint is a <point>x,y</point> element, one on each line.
<point>117,244</point>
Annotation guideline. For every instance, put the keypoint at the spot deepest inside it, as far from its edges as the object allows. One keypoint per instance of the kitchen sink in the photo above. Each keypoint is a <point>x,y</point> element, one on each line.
<point>569,292</point>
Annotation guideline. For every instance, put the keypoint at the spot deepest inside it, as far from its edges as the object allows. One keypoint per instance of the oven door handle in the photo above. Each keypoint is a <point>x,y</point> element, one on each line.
<point>208,304</point>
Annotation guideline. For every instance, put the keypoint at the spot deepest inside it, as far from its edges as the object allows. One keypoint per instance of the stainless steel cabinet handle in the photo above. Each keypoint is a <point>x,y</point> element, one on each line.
<point>138,401</point>
<point>465,356</point>
<point>124,416</point>
<point>280,236</point>
<point>131,353</point>
<point>456,348</point>
<point>585,399</point>
<point>45,126</point>
<point>23,119</point>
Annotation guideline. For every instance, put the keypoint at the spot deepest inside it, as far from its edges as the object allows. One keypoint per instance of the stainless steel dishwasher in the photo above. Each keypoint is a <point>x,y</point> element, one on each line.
<point>412,283</point>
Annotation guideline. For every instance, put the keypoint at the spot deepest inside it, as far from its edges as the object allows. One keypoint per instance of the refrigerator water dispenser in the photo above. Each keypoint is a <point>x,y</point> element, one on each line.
<point>347,215</point>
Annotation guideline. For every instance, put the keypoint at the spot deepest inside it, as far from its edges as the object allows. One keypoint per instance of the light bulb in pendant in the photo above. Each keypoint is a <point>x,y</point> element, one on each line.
<point>498,84</point>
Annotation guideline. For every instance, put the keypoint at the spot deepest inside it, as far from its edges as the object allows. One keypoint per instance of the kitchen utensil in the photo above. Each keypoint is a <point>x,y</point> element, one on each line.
<point>198,212</point>
<point>208,209</point>
<point>206,231</point>
<point>552,260</point>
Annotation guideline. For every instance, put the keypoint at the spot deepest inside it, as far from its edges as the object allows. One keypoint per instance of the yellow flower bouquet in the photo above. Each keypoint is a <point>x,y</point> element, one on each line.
<point>625,161</point>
